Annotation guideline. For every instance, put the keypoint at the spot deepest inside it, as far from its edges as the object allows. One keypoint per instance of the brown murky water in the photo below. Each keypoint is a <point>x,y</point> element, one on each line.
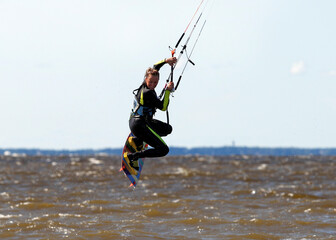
<point>185,197</point>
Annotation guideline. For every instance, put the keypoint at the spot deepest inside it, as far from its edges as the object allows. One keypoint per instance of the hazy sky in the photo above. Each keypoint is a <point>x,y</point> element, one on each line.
<point>265,72</point>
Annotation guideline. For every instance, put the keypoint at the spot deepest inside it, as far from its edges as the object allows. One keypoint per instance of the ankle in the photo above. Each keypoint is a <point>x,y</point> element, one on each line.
<point>130,156</point>
<point>135,156</point>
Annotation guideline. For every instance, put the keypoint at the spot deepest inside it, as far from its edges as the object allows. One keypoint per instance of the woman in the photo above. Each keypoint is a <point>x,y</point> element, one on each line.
<point>143,126</point>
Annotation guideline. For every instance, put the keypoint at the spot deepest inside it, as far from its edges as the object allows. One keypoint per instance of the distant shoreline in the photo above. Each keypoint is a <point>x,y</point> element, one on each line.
<point>206,151</point>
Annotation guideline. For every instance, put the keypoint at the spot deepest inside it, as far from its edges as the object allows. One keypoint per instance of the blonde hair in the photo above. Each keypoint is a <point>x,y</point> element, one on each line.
<point>152,71</point>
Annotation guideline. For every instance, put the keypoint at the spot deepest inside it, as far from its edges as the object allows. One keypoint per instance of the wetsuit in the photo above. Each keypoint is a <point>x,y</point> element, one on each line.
<point>142,124</point>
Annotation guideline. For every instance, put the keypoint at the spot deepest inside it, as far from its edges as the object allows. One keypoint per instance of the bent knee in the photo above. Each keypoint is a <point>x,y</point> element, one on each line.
<point>164,150</point>
<point>169,129</point>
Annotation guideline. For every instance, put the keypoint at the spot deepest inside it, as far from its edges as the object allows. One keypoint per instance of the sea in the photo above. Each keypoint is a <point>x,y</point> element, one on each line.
<point>178,197</point>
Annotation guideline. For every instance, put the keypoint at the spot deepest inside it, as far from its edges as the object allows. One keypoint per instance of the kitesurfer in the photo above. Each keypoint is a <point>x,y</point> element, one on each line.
<point>141,122</point>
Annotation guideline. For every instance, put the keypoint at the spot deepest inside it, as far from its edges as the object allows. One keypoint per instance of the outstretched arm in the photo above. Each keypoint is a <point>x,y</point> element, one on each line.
<point>171,61</point>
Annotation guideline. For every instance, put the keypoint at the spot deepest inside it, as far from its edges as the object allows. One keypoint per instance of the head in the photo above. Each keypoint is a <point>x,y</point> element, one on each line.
<point>152,77</point>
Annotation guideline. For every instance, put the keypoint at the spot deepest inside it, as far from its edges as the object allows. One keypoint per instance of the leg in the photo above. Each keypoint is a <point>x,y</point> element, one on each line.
<point>159,147</point>
<point>136,143</point>
<point>150,133</point>
<point>161,128</point>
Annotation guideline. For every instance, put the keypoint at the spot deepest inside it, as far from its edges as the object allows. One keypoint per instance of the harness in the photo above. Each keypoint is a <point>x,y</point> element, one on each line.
<point>139,110</point>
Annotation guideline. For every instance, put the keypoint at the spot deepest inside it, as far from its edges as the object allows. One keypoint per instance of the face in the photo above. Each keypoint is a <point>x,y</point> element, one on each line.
<point>152,81</point>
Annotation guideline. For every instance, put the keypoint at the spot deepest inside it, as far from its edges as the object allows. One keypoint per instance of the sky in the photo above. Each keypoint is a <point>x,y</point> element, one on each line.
<point>264,74</point>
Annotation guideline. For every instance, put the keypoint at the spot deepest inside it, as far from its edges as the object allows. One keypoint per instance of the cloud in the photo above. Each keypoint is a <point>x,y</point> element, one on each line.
<point>297,67</point>
<point>332,73</point>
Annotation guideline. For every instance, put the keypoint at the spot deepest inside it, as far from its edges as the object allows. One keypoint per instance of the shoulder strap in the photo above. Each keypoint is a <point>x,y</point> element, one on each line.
<point>135,91</point>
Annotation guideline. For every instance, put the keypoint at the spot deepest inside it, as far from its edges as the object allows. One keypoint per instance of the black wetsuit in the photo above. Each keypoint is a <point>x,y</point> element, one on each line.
<point>142,124</point>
